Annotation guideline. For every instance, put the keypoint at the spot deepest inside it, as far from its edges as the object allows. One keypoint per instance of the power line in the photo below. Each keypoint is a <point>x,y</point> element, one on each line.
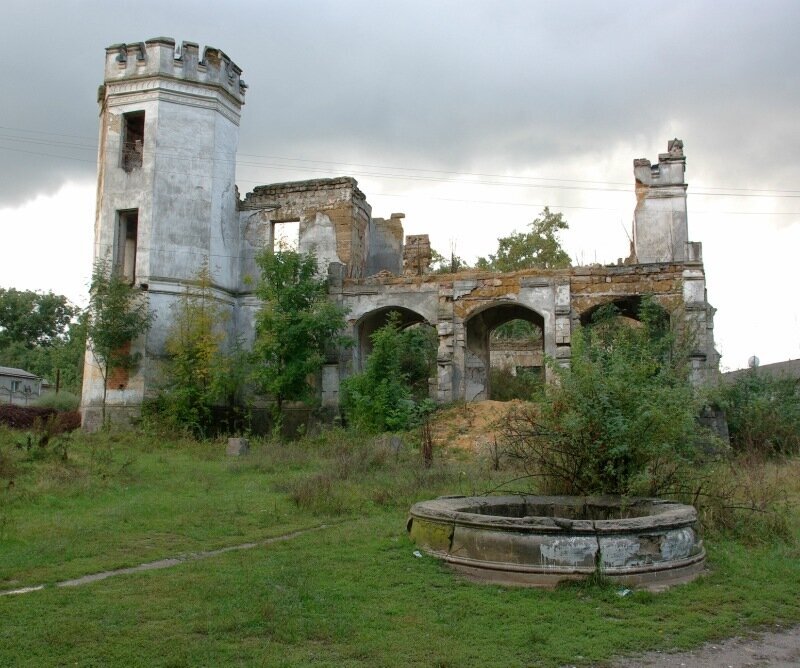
<point>449,199</point>
<point>417,170</point>
<point>406,177</point>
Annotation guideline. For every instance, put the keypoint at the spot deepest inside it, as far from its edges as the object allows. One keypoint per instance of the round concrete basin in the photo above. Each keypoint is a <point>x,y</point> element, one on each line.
<point>540,540</point>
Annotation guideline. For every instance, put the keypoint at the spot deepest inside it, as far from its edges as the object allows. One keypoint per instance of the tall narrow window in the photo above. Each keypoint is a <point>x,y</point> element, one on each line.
<point>132,140</point>
<point>125,244</point>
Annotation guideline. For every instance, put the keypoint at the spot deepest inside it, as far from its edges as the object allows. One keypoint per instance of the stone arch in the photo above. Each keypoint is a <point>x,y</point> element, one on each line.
<point>478,328</point>
<point>368,323</point>
<point>628,307</point>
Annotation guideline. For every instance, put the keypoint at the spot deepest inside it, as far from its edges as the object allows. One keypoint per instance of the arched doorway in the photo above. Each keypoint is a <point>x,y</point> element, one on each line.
<point>628,308</point>
<point>479,358</point>
<point>366,326</point>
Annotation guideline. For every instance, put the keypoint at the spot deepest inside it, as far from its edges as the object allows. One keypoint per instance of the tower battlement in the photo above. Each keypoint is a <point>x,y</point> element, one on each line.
<point>670,170</point>
<point>158,57</point>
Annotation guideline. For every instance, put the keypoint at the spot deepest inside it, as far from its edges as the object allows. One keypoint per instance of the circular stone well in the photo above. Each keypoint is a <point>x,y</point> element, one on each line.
<point>539,540</point>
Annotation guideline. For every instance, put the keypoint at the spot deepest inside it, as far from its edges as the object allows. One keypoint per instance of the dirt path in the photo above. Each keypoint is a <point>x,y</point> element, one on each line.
<point>779,648</point>
<point>169,562</point>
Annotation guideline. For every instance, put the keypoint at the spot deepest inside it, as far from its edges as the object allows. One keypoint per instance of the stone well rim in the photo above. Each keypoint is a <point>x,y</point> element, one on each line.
<point>661,513</point>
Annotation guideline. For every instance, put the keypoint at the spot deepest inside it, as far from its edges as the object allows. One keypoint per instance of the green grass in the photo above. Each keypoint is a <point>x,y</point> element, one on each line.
<point>352,594</point>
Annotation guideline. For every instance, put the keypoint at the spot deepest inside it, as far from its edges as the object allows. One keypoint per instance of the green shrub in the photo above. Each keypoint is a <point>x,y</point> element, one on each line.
<point>61,401</point>
<point>620,419</point>
<point>763,413</point>
<point>391,393</point>
<point>200,374</point>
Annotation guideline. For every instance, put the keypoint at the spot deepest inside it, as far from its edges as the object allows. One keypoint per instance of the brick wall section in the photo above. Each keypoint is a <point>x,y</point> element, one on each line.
<point>339,199</point>
<point>594,286</point>
<point>118,378</point>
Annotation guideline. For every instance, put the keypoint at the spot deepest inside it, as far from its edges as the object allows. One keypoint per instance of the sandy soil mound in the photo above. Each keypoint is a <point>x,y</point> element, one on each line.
<point>470,426</point>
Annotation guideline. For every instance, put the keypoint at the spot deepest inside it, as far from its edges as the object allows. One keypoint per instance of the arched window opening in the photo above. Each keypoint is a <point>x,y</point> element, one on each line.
<point>505,353</point>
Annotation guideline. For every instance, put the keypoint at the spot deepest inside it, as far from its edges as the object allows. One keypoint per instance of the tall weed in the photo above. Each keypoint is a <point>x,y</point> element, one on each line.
<point>748,497</point>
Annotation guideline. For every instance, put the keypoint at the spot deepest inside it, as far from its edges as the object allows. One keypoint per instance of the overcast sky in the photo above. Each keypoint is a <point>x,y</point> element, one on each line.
<point>467,116</point>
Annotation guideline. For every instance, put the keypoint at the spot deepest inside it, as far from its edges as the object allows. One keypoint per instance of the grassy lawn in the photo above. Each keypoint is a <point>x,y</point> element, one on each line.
<point>351,594</point>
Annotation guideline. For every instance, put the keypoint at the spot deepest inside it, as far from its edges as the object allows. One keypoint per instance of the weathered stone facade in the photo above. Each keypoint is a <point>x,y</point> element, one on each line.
<point>167,201</point>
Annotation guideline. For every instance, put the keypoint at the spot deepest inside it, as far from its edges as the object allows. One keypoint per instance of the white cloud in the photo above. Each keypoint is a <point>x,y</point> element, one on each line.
<point>47,242</point>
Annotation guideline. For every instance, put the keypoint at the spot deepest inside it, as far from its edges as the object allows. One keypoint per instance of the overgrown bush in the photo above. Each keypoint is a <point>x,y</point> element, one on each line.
<point>391,393</point>
<point>61,401</point>
<point>763,413</point>
<point>620,419</point>
<point>297,327</point>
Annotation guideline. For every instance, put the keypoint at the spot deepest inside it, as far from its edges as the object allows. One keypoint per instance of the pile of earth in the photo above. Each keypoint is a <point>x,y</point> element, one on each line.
<point>473,426</point>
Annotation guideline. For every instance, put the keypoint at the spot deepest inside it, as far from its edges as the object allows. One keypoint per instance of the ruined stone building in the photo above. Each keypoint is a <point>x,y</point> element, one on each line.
<point>167,201</point>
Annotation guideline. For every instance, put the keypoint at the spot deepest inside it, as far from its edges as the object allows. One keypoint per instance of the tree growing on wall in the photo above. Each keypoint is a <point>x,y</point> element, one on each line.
<point>295,326</point>
<point>538,248</point>
<point>118,313</point>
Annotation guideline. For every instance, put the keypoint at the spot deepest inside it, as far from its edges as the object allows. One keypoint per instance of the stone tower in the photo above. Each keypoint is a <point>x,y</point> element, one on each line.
<point>166,196</point>
<point>660,227</point>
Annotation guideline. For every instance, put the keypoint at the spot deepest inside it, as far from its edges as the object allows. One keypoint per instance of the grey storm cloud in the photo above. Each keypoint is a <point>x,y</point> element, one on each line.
<point>454,86</point>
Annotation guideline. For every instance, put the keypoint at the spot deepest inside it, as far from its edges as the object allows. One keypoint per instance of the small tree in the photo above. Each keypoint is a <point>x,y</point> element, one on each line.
<point>198,371</point>
<point>118,313</point>
<point>295,326</point>
<point>447,265</point>
<point>539,248</point>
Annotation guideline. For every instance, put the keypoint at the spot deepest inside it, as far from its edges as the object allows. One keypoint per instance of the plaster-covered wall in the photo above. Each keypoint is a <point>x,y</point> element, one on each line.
<point>660,228</point>
<point>189,211</point>
<point>183,189</point>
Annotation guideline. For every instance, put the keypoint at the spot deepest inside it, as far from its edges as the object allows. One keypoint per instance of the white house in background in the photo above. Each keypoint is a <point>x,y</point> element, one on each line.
<point>18,386</point>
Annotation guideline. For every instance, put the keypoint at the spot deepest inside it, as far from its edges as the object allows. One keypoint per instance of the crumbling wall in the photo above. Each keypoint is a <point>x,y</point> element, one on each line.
<point>417,255</point>
<point>385,245</point>
<point>466,307</point>
<point>512,355</point>
<point>333,214</point>
<point>660,228</point>
<point>591,287</point>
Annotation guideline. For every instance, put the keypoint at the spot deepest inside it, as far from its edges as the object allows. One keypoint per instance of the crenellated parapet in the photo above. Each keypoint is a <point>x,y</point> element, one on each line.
<point>669,171</point>
<point>158,57</point>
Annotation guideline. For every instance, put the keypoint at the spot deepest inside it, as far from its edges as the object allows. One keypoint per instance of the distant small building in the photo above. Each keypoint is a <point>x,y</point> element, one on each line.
<point>18,386</point>
<point>787,369</point>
